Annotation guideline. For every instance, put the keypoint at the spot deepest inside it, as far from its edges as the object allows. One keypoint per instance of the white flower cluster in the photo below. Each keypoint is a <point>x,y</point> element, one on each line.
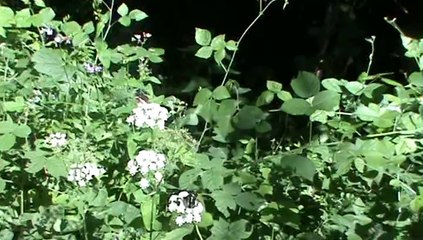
<point>57,139</point>
<point>147,163</point>
<point>149,115</point>
<point>188,208</point>
<point>83,173</point>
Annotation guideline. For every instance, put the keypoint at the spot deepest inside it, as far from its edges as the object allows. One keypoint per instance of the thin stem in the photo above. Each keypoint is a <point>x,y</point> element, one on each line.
<point>109,25</point>
<point>151,218</point>
<point>409,132</point>
<point>202,136</point>
<point>242,37</point>
<point>198,232</point>
<point>372,43</point>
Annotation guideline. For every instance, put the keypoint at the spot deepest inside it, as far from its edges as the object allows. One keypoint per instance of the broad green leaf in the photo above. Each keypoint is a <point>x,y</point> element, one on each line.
<point>284,95</point>
<point>49,61</point>
<point>123,10</point>
<point>355,88</point>
<point>231,45</point>
<point>178,233</point>
<point>101,199</point>
<point>131,146</point>
<point>7,141</point>
<point>137,15</point>
<point>7,16</point>
<point>297,106</point>
<point>39,3</point>
<point>326,100</point>
<point>227,108</point>
<point>23,18</point>
<point>149,213</point>
<point>263,127</point>
<point>204,52</point>
<point>306,84</point>
<point>56,167</point>
<point>299,165</point>
<point>37,161</point>
<point>359,164</point>
<point>212,179</point>
<point>218,42</point>
<point>249,201</point>
<point>15,106</point>
<point>248,117</point>
<point>125,21</point>
<point>203,37</point>
<point>71,28</point>
<point>22,131</point>
<point>88,27</point>
<point>188,178</point>
<point>45,16</point>
<point>219,55</point>
<point>417,203</point>
<point>265,98</point>
<point>221,93</point>
<point>202,97</point>
<point>274,86</point>
<point>370,113</point>
<point>224,200</point>
<point>332,84</point>
<point>208,110</point>
<point>416,78</point>
<point>7,126</point>
<point>229,231</point>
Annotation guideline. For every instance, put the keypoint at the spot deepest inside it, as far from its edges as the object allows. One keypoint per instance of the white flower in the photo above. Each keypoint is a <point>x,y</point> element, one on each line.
<point>146,161</point>
<point>144,183</point>
<point>180,220</point>
<point>186,206</point>
<point>83,173</point>
<point>56,139</point>
<point>150,115</point>
<point>158,176</point>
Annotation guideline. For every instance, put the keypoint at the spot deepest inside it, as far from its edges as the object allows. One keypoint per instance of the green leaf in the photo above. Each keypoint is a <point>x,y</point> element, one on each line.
<point>137,15</point>
<point>355,88</point>
<point>178,233</point>
<point>7,126</point>
<point>274,86</point>
<point>229,231</point>
<point>188,178</point>
<point>7,16</point>
<point>7,141</point>
<point>332,84</point>
<point>203,37</point>
<point>370,113</point>
<point>39,3</point>
<point>231,45</point>
<point>297,106</point>
<point>49,61</point>
<point>204,52</point>
<point>284,95</point>
<point>123,10</point>
<point>306,84</point>
<point>23,18</point>
<point>326,100</point>
<point>15,106</point>
<point>56,167</point>
<point>224,200</point>
<point>416,78</point>
<point>71,28</point>
<point>227,108</point>
<point>218,42</point>
<point>221,93</point>
<point>265,98</point>
<point>149,213</point>
<point>22,131</point>
<point>37,160</point>
<point>249,201</point>
<point>212,179</point>
<point>101,199</point>
<point>125,21</point>
<point>248,117</point>
<point>300,166</point>
<point>45,16</point>
<point>219,55</point>
<point>202,97</point>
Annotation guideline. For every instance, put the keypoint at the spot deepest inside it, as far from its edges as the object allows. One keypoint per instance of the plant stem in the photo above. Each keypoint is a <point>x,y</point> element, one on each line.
<point>198,232</point>
<point>242,37</point>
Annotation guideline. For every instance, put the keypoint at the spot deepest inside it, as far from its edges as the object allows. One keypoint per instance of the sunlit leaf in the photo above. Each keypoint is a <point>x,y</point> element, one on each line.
<point>306,84</point>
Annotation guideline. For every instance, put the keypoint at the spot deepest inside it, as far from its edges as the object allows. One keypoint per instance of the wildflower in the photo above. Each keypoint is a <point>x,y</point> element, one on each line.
<point>144,183</point>
<point>83,173</point>
<point>140,39</point>
<point>187,207</point>
<point>57,139</point>
<point>48,31</point>
<point>148,115</point>
<point>91,68</point>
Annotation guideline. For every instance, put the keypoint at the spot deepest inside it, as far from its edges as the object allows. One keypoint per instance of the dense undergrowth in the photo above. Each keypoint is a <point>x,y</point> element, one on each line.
<point>88,151</point>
